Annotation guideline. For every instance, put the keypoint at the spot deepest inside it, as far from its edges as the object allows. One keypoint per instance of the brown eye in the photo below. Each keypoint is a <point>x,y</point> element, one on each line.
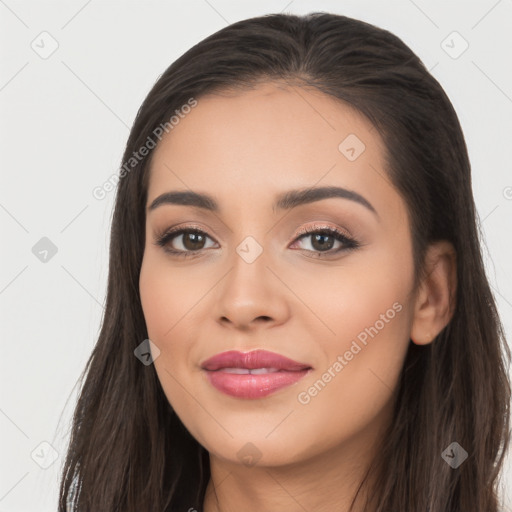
<point>193,241</point>
<point>183,242</point>
<point>323,240</point>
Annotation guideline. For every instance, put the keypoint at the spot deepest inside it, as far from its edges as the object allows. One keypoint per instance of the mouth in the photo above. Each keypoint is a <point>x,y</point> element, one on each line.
<point>249,371</point>
<point>252,375</point>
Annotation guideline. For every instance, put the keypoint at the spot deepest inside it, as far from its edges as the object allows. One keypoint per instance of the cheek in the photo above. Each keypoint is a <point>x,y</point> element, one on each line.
<point>171,302</point>
<point>167,296</point>
<point>368,314</point>
<point>165,301</point>
<point>363,298</point>
<point>352,392</point>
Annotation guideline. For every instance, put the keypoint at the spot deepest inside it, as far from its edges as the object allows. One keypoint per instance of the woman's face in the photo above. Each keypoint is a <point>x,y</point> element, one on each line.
<point>253,280</point>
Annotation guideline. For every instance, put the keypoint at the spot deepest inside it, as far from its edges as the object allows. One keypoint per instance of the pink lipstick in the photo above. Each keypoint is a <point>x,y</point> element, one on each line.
<point>254,374</point>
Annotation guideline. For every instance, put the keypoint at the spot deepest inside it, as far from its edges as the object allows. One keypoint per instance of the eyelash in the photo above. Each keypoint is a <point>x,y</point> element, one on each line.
<point>349,243</point>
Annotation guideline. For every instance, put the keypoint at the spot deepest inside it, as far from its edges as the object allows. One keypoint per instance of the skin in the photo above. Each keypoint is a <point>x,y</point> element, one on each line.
<point>243,149</point>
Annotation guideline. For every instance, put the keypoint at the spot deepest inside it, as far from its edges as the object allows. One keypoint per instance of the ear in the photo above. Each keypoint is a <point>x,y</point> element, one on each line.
<point>435,298</point>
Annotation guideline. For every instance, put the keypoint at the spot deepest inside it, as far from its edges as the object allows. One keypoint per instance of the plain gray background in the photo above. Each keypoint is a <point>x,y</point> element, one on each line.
<point>65,117</point>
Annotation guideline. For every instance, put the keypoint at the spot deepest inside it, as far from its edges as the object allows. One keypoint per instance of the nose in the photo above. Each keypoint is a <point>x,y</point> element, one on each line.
<point>251,295</point>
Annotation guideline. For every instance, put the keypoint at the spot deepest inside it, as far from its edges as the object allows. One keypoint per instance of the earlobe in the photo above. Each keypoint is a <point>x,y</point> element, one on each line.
<point>435,300</point>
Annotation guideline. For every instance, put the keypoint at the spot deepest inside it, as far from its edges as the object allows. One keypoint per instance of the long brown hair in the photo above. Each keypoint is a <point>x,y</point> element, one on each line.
<point>129,451</point>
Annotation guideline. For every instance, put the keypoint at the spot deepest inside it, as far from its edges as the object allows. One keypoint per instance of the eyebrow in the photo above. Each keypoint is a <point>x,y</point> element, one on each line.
<point>284,201</point>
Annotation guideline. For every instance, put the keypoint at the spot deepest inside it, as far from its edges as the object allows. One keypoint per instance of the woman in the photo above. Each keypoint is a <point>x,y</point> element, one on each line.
<point>297,314</point>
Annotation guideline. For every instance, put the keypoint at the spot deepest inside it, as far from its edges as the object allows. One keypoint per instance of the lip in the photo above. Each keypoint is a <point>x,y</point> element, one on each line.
<point>252,360</point>
<point>283,372</point>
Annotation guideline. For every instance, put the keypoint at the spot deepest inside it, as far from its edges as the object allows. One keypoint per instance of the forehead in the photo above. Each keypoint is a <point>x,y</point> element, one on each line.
<point>266,140</point>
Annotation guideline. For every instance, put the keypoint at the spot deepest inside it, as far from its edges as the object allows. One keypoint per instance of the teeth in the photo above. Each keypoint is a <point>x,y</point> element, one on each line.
<point>245,371</point>
<point>259,371</point>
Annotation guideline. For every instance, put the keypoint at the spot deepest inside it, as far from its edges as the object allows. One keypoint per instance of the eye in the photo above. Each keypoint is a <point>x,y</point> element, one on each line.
<point>191,241</point>
<point>322,240</point>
